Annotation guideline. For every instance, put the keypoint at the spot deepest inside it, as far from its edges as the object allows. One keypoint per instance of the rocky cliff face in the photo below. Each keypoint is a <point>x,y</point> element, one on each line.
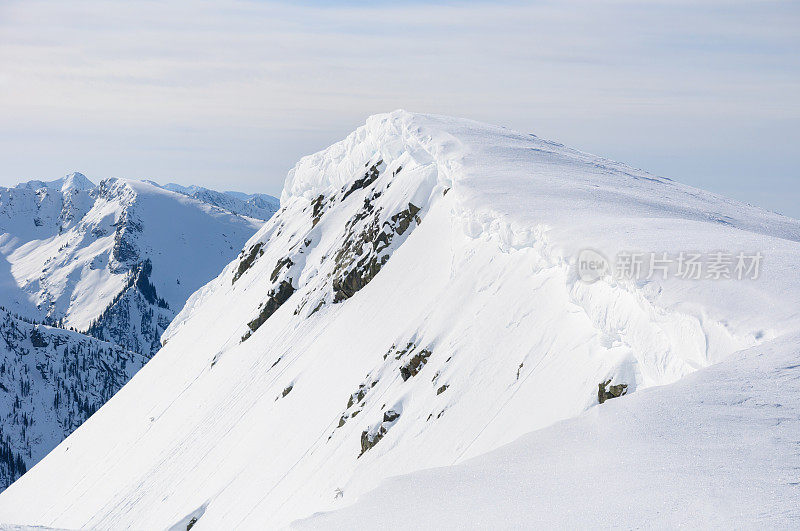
<point>337,242</point>
<point>137,317</point>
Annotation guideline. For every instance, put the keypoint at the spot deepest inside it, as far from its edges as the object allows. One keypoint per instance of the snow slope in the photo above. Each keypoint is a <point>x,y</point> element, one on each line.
<point>414,304</point>
<point>715,450</point>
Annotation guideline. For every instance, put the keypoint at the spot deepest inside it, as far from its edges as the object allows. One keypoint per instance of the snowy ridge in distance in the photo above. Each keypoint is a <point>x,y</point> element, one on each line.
<point>114,261</point>
<point>71,249</point>
<point>259,206</point>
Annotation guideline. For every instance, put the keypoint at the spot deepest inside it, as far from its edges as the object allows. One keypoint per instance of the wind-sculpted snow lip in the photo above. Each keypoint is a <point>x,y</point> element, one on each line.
<point>394,135</point>
<point>414,303</point>
<point>580,183</point>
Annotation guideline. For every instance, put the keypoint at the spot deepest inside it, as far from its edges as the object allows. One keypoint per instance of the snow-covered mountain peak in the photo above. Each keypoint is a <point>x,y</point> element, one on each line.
<point>116,188</point>
<point>415,302</point>
<point>76,181</point>
<point>585,185</point>
<point>175,187</point>
<point>71,181</point>
<point>399,136</point>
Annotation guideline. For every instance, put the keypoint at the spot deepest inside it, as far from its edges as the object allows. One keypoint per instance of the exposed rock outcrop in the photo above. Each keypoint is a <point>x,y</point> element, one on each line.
<point>275,300</point>
<point>415,364</point>
<point>372,436</point>
<point>604,392</point>
<point>248,260</point>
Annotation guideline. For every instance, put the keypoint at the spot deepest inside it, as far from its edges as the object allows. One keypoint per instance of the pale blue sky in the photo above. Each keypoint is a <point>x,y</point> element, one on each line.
<point>230,94</point>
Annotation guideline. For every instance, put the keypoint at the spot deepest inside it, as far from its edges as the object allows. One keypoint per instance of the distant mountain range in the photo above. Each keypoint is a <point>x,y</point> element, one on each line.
<point>259,206</point>
<point>113,262</point>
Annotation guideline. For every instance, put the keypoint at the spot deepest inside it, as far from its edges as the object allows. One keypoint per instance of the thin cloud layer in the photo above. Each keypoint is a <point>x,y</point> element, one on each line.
<point>230,94</point>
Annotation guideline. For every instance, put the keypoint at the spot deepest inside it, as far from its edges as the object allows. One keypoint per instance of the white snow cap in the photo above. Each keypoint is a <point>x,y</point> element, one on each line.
<point>71,181</point>
<point>75,181</point>
<point>383,136</point>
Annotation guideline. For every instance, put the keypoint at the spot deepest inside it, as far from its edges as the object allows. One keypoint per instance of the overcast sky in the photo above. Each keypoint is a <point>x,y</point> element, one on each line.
<point>230,94</point>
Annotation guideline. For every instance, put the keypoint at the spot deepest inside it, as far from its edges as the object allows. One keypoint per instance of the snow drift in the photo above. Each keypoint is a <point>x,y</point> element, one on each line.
<point>414,303</point>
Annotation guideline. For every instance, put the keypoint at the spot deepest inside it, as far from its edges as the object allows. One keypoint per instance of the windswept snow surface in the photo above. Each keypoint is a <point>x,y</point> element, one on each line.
<point>414,304</point>
<point>716,450</point>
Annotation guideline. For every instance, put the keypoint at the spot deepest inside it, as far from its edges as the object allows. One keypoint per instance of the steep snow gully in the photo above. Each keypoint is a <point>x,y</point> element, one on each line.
<point>414,303</point>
